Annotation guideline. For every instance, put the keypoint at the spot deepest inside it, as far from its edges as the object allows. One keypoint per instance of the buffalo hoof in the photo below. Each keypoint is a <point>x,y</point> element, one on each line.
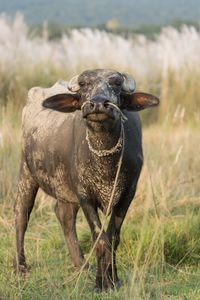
<point>109,287</point>
<point>20,269</point>
<point>99,290</point>
<point>118,284</point>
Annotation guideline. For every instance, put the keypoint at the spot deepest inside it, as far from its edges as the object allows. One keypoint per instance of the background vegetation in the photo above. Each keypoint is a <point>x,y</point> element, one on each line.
<point>129,13</point>
<point>160,248</point>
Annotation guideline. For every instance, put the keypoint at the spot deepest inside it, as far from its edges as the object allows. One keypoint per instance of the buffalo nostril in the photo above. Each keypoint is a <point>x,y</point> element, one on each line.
<point>106,104</point>
<point>91,105</point>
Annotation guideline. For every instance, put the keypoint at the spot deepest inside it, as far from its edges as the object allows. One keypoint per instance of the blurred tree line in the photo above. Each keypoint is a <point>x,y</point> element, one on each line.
<point>53,30</point>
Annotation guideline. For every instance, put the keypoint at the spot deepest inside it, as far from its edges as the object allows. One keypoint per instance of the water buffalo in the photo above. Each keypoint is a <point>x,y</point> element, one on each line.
<point>74,134</point>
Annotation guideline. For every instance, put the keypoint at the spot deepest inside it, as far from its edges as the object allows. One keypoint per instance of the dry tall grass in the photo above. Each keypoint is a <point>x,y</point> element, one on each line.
<point>167,65</point>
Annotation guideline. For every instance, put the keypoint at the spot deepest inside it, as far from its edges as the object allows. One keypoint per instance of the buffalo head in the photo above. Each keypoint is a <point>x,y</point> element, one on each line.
<point>95,92</point>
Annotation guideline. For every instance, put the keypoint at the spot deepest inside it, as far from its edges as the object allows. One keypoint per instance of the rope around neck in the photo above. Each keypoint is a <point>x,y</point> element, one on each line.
<point>118,146</point>
<point>105,152</point>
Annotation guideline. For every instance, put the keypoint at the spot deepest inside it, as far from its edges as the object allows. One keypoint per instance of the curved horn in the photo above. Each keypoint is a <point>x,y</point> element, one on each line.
<point>129,84</point>
<point>73,85</point>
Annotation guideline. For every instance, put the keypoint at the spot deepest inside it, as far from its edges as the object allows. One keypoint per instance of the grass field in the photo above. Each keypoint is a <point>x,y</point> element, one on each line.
<point>159,254</point>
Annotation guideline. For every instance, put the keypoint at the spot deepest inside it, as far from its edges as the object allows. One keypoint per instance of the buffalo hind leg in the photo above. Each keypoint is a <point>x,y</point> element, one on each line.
<point>66,213</point>
<point>27,190</point>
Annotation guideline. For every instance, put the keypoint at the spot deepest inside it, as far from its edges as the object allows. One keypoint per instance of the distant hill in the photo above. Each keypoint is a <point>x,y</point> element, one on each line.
<point>129,13</point>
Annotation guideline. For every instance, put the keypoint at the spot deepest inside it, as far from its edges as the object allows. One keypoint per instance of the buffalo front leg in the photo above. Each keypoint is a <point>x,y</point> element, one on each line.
<point>104,279</point>
<point>114,228</point>
<point>66,213</point>
<point>27,190</point>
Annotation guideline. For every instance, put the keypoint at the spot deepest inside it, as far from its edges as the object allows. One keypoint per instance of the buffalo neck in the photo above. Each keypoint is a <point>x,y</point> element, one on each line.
<point>104,136</point>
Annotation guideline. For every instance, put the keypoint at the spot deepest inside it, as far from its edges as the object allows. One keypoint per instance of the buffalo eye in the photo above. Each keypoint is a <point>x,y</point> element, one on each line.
<point>118,82</point>
<point>82,83</point>
<point>115,81</point>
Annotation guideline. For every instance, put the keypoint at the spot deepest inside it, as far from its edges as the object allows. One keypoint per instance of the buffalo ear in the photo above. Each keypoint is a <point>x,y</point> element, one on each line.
<point>138,101</point>
<point>62,102</point>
